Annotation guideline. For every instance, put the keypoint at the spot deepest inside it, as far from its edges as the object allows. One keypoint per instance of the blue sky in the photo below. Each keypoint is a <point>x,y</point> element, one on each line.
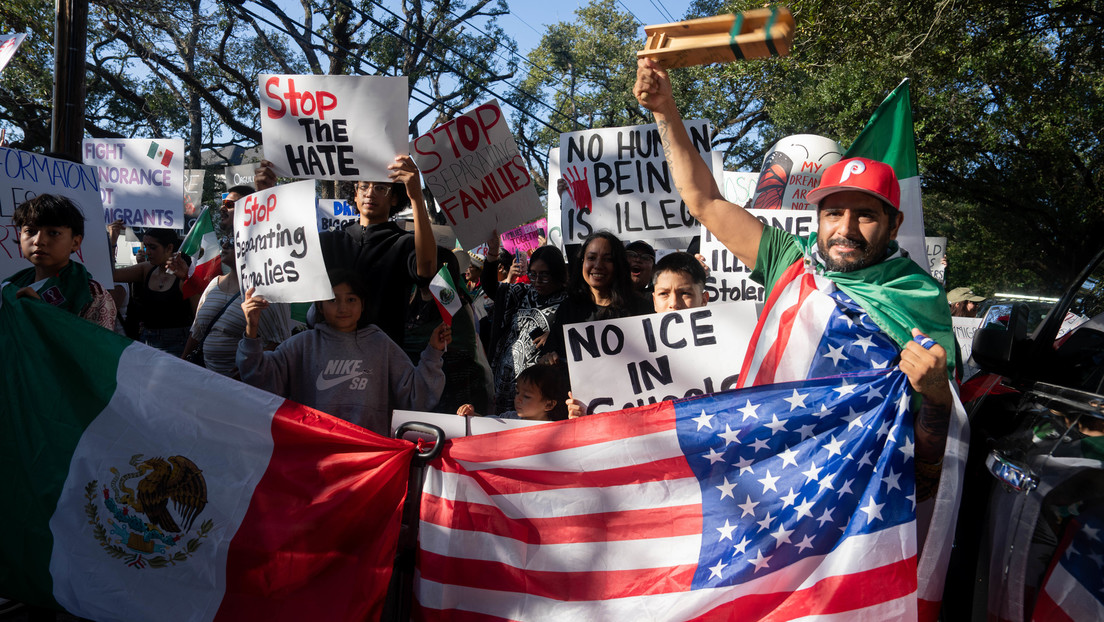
<point>529,19</point>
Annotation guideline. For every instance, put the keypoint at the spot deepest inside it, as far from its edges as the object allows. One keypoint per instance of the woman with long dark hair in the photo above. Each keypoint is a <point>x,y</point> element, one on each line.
<point>599,287</point>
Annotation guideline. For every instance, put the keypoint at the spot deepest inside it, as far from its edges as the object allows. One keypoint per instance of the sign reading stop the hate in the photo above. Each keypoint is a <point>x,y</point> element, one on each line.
<point>474,170</point>
<point>333,127</point>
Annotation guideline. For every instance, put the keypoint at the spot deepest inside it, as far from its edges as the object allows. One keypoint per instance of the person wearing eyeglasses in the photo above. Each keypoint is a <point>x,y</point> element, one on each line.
<point>523,313</point>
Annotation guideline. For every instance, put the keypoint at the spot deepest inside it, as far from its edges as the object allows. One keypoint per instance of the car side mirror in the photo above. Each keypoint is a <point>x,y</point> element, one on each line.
<point>994,347</point>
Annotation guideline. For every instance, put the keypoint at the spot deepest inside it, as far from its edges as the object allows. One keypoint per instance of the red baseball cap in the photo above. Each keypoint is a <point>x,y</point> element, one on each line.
<point>859,175</point>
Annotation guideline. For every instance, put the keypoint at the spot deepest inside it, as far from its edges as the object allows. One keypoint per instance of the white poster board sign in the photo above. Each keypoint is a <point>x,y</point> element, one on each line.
<point>618,180</point>
<point>477,175</point>
<point>964,329</point>
<point>141,180</point>
<point>728,276</point>
<point>791,168</point>
<point>555,225</point>
<point>8,46</point>
<point>738,187</point>
<point>937,256</point>
<point>25,175</point>
<point>276,245</point>
<point>333,127</point>
<point>645,359</point>
<point>454,426</point>
<point>336,214</point>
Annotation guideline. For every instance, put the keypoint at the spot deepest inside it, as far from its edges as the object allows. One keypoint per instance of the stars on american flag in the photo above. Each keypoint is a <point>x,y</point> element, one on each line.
<point>788,471</point>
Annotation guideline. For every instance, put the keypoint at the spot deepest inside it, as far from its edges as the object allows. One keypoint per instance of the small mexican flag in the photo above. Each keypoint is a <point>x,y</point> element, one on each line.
<point>158,152</point>
<point>202,245</point>
<point>444,292</point>
<point>889,137</point>
<point>138,486</point>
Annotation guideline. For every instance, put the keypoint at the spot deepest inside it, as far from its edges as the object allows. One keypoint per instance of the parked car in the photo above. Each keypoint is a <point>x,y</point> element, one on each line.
<point>1033,494</point>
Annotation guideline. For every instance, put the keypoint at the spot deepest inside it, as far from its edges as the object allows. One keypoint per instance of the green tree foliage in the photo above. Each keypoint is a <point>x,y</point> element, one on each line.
<point>1007,101</point>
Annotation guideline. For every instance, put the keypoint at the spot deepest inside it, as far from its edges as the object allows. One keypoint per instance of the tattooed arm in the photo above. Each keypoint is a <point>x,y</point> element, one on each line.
<point>927,373</point>
<point>737,229</point>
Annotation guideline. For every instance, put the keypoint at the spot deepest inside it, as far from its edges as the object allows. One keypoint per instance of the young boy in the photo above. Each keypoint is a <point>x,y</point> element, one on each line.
<point>679,283</point>
<point>51,229</point>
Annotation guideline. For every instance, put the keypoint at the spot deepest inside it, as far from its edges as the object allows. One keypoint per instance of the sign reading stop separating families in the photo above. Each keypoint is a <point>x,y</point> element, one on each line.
<point>645,359</point>
<point>618,180</point>
<point>141,180</point>
<point>333,127</point>
<point>474,170</point>
<point>276,245</point>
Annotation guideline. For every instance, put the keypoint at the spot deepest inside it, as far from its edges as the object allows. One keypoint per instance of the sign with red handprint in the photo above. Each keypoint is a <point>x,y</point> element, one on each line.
<point>617,179</point>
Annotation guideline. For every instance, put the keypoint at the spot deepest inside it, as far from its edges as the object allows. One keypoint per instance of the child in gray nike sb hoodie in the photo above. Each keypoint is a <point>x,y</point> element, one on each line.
<point>355,372</point>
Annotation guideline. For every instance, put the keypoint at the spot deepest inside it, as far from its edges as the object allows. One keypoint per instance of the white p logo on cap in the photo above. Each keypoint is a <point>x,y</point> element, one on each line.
<point>855,166</point>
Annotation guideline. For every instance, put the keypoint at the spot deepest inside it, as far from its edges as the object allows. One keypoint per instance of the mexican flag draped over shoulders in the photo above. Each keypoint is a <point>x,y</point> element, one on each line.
<point>137,486</point>
<point>889,137</point>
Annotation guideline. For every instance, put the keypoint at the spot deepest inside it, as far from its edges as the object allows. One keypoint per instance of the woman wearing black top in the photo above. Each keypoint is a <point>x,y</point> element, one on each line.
<point>599,287</point>
<point>164,315</point>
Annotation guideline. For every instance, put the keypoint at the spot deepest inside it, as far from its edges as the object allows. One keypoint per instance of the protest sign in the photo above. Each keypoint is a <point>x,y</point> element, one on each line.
<point>141,180</point>
<point>241,175</point>
<point>8,45</point>
<point>193,191</point>
<point>792,168</point>
<point>25,175</point>
<point>645,359</point>
<point>454,426</point>
<point>738,187</point>
<point>477,175</point>
<point>333,127</point>
<point>728,276</point>
<point>335,214</point>
<point>618,180</point>
<point>937,258</point>
<point>555,230</point>
<point>526,238</point>
<point>964,329</point>
<point>276,245</point>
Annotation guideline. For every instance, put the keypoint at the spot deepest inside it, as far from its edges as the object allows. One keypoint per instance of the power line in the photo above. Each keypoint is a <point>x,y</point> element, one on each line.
<point>658,4</point>
<point>460,74</point>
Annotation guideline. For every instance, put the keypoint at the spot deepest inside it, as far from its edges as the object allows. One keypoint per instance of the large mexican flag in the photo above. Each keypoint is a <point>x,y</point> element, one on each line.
<point>137,486</point>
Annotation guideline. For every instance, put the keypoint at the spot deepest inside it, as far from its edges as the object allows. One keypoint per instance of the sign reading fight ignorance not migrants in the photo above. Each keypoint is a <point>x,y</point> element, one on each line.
<point>728,276</point>
<point>276,245</point>
<point>645,359</point>
<point>141,180</point>
<point>333,127</point>
<point>617,179</point>
<point>25,175</point>
<point>474,170</point>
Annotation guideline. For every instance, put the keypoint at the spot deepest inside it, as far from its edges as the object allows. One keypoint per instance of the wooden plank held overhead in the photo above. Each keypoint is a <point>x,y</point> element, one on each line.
<point>758,33</point>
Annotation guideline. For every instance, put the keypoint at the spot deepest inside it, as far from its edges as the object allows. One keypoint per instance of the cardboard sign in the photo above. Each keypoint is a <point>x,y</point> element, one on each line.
<point>555,229</point>
<point>141,180</point>
<point>964,329</point>
<point>738,187</point>
<point>335,214</point>
<point>276,245</point>
<point>477,175</point>
<point>526,238</point>
<point>937,259</point>
<point>25,175</point>
<point>791,169</point>
<point>333,127</point>
<point>193,191</point>
<point>8,46</point>
<point>618,180</point>
<point>632,361</point>
<point>728,276</point>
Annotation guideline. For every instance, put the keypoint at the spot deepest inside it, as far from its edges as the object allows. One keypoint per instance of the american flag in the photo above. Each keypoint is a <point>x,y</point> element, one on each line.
<point>809,328</point>
<point>776,502</point>
<point>1074,586</point>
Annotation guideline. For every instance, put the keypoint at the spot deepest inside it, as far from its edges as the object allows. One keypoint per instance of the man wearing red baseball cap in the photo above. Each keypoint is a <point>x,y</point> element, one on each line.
<point>844,299</point>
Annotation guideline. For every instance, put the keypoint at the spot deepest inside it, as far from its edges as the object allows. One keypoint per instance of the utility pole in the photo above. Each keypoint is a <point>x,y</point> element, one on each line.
<point>70,43</point>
